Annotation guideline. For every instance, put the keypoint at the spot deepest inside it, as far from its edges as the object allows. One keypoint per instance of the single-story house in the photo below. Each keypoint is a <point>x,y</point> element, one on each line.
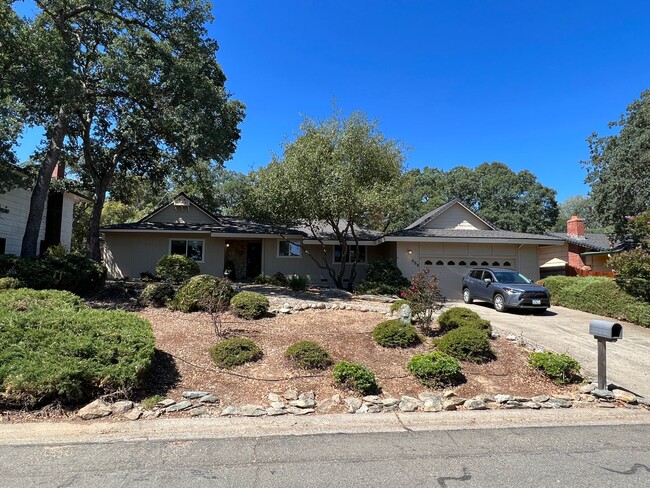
<point>449,240</point>
<point>56,226</point>
<point>579,251</point>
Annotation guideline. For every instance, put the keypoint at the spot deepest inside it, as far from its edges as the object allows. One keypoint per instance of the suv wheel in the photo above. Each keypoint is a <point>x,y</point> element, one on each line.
<point>467,296</point>
<point>499,303</point>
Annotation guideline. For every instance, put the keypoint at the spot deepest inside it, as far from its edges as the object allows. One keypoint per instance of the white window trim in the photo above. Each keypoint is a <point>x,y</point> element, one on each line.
<point>289,257</point>
<point>349,261</point>
<point>169,249</point>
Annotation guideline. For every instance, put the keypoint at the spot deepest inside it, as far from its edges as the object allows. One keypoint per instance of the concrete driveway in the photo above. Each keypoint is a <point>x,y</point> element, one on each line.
<point>563,330</point>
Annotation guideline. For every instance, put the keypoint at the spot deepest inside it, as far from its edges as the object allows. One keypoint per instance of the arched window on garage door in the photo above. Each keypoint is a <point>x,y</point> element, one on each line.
<point>450,263</point>
<point>507,263</point>
<point>485,263</point>
<point>496,263</point>
<point>462,263</point>
<point>439,263</point>
<point>428,262</point>
<point>473,263</point>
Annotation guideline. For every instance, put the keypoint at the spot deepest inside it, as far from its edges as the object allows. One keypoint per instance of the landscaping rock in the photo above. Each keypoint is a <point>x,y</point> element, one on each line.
<point>326,405</point>
<point>374,407</point>
<point>362,409</point>
<point>121,407</point>
<point>277,405</point>
<point>486,398</point>
<point>151,414</point>
<point>197,411</point>
<point>290,395</point>
<point>409,404</point>
<point>602,394</point>
<point>309,395</point>
<point>532,405</point>
<point>230,411</point>
<point>511,337</point>
<point>193,395</point>
<point>299,411</point>
<point>432,404</point>
<point>390,402</point>
<point>643,401</point>
<point>133,414</point>
<point>540,398</point>
<point>302,403</point>
<point>274,397</point>
<point>474,405</point>
<point>274,412</point>
<point>372,399</point>
<point>252,411</point>
<point>353,404</point>
<point>167,402</point>
<point>95,410</point>
<point>513,404</point>
<point>557,403</point>
<point>494,334</point>
<point>180,406</point>
<point>336,398</point>
<point>605,405</point>
<point>502,398</point>
<point>458,401</point>
<point>521,399</point>
<point>209,399</point>
<point>448,394</point>
<point>587,388</point>
<point>624,396</point>
<point>448,405</point>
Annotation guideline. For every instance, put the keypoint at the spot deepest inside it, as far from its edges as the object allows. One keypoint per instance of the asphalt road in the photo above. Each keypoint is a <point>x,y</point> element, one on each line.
<point>576,456</point>
<point>567,331</point>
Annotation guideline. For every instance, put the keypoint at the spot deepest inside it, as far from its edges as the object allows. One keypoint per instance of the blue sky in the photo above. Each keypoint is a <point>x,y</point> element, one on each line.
<point>460,83</point>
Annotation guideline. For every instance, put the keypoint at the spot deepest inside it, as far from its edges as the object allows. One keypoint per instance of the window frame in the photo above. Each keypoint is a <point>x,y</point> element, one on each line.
<point>349,260</point>
<point>187,241</point>
<point>290,256</point>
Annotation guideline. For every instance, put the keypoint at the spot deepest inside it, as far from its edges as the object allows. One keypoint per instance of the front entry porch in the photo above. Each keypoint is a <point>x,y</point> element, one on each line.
<point>242,259</point>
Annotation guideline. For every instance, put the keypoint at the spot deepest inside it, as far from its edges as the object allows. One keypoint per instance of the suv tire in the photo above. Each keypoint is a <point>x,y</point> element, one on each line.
<point>467,296</point>
<point>499,303</point>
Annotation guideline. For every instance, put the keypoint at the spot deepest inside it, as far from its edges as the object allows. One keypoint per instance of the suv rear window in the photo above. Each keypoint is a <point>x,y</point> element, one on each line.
<point>475,274</point>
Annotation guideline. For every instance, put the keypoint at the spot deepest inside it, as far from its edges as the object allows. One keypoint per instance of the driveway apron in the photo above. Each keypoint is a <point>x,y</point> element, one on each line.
<point>563,330</point>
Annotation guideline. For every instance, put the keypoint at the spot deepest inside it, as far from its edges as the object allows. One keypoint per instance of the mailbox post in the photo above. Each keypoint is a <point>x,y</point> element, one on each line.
<point>604,332</point>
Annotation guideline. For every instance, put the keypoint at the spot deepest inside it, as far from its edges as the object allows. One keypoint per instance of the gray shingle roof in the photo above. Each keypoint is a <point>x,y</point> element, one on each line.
<point>223,225</point>
<point>597,242</point>
<point>470,233</point>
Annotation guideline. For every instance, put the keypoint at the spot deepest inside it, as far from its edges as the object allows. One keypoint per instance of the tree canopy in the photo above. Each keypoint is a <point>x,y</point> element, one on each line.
<point>619,167</point>
<point>329,179</point>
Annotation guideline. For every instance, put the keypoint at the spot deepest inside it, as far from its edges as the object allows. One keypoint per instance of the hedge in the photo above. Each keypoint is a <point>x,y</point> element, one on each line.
<point>597,295</point>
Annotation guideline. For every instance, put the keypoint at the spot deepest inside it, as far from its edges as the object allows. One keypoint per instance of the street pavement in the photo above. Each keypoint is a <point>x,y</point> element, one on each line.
<point>615,454</point>
<point>563,330</point>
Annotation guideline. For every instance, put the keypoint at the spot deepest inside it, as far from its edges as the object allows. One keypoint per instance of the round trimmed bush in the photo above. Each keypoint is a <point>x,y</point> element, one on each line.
<point>249,305</point>
<point>234,352</point>
<point>157,294</point>
<point>308,355</point>
<point>10,283</point>
<point>383,277</point>
<point>395,333</point>
<point>54,348</point>
<point>457,317</point>
<point>469,343</point>
<point>278,279</point>
<point>356,377</point>
<point>561,368</point>
<point>176,268</point>
<point>203,292</point>
<point>436,369</point>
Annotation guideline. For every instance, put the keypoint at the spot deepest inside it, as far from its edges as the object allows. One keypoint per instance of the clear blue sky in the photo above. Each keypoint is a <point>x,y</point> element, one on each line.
<point>459,82</point>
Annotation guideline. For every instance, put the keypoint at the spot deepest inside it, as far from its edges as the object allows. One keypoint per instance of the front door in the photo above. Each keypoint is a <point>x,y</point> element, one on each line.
<point>253,259</point>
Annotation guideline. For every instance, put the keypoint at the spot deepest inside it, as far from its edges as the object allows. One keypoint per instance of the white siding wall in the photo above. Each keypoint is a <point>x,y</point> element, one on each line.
<point>12,224</point>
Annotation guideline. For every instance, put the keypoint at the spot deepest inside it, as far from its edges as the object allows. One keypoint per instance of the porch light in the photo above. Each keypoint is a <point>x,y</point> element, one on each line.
<point>410,252</point>
<point>227,244</point>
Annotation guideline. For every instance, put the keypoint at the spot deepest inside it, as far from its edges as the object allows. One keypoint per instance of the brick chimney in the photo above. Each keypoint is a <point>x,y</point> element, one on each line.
<point>575,227</point>
<point>59,171</point>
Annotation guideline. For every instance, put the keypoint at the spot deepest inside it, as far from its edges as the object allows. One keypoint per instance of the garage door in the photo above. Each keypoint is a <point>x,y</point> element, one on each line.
<point>450,271</point>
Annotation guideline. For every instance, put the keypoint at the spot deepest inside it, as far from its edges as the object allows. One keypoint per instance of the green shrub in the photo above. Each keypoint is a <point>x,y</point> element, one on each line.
<point>157,294</point>
<point>278,279</point>
<point>597,295</point>
<point>436,369</point>
<point>249,305</point>
<point>396,306</point>
<point>383,277</point>
<point>150,402</point>
<point>10,283</point>
<point>456,317</point>
<point>394,333</point>
<point>356,377</point>
<point>561,368</point>
<point>234,352</point>
<point>633,268</point>
<point>424,297</point>
<point>298,282</point>
<point>261,279</point>
<point>203,292</point>
<point>469,343</point>
<point>54,348</point>
<point>308,355</point>
<point>68,272</point>
<point>176,268</point>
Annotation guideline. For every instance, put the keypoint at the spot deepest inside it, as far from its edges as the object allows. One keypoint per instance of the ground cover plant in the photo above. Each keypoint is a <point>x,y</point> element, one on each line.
<point>383,277</point>
<point>395,333</point>
<point>234,352</point>
<point>467,343</point>
<point>561,368</point>
<point>436,369</point>
<point>249,305</point>
<point>55,348</point>
<point>157,294</point>
<point>597,295</point>
<point>176,268</point>
<point>202,292</point>
<point>356,377</point>
<point>308,355</point>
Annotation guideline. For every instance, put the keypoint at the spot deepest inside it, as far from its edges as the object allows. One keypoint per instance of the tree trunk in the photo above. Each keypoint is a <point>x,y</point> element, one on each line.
<point>42,187</point>
<point>94,251</point>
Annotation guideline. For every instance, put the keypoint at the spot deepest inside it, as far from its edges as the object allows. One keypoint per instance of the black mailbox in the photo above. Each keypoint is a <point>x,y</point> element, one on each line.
<point>610,331</point>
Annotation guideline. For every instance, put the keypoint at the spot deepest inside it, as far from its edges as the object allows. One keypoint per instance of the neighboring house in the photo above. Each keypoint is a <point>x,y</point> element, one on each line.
<point>449,241</point>
<point>580,251</point>
<point>56,226</point>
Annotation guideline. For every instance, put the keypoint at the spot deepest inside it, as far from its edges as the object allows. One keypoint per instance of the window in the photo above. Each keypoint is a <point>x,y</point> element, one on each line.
<point>473,263</point>
<point>476,274</point>
<point>352,254</point>
<point>439,263</point>
<point>193,249</point>
<point>451,263</point>
<point>3,243</point>
<point>495,263</point>
<point>288,249</point>
<point>507,263</point>
<point>428,262</point>
<point>484,263</point>
<point>462,263</point>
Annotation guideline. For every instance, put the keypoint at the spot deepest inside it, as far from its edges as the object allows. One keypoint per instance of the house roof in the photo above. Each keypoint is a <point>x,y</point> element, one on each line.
<point>473,234</point>
<point>596,242</point>
<point>422,221</point>
<point>326,233</point>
